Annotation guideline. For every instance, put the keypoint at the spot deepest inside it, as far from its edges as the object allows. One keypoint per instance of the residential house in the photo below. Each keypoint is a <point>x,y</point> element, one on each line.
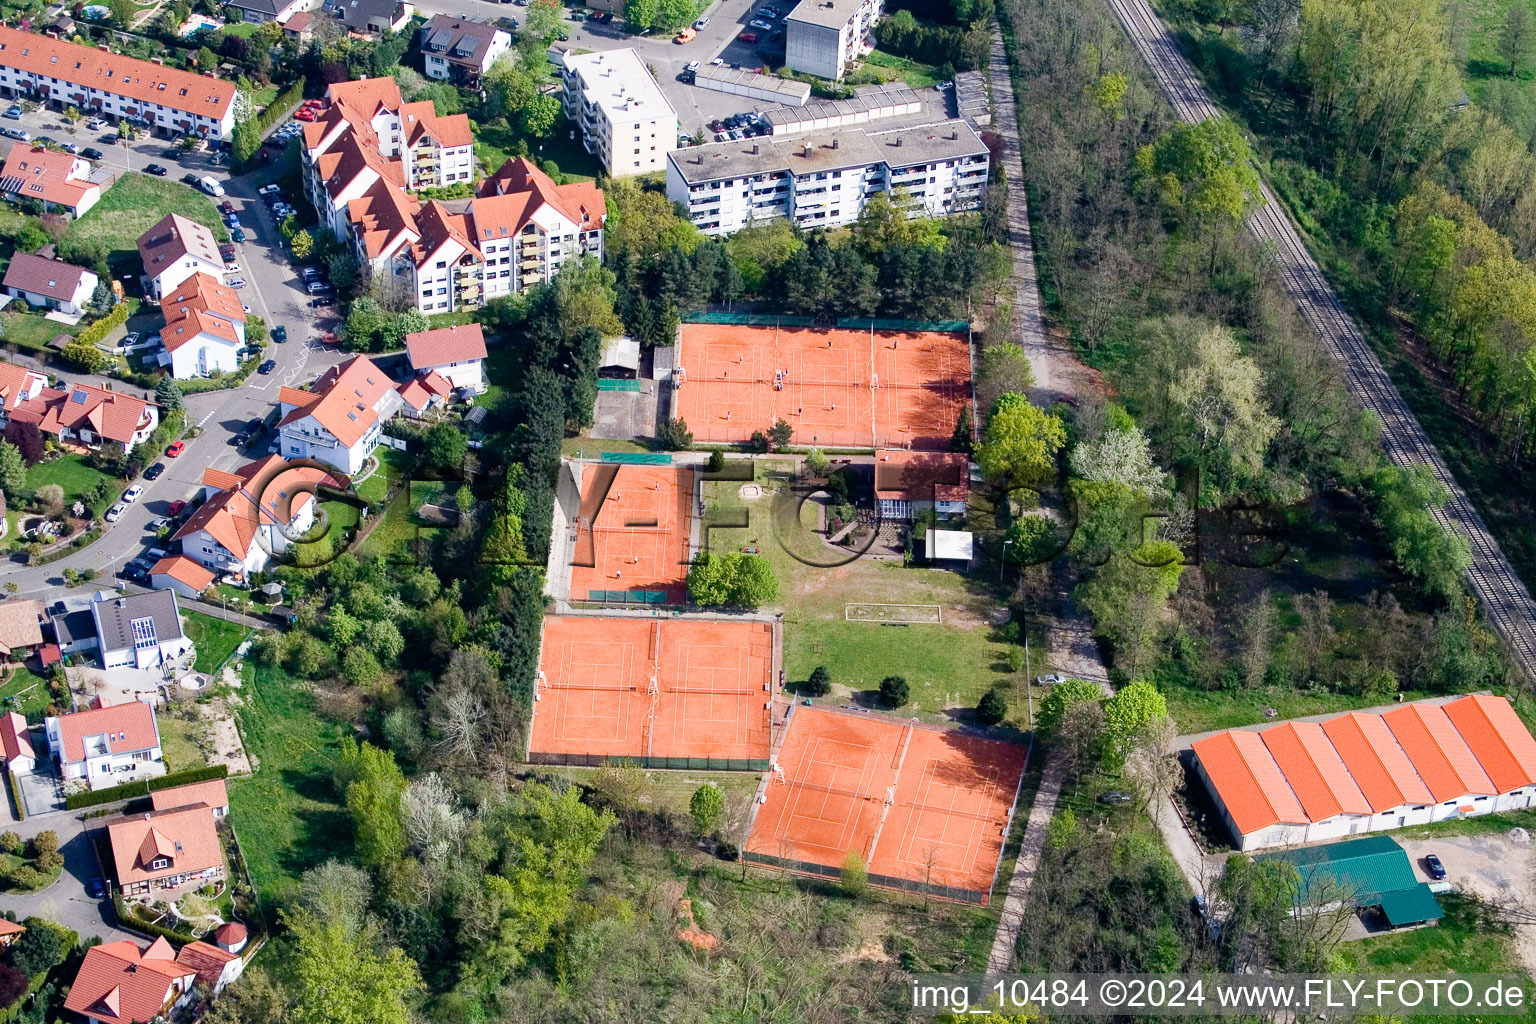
<point>16,743</point>
<point>821,37</point>
<point>908,482</point>
<point>21,628</point>
<point>168,101</point>
<point>120,983</point>
<point>212,794</point>
<point>181,574</point>
<point>456,353</point>
<point>527,227</point>
<point>371,17</point>
<point>254,514</point>
<point>74,628</point>
<point>102,745</point>
<point>172,849</point>
<point>216,968</point>
<point>300,27</point>
<point>175,249</point>
<point>60,182</point>
<point>624,118</point>
<point>421,394</point>
<point>50,283</point>
<point>142,630</point>
<point>204,327</point>
<point>90,416</point>
<point>339,420</point>
<point>461,50</point>
<point>258,11</point>
<point>17,385</point>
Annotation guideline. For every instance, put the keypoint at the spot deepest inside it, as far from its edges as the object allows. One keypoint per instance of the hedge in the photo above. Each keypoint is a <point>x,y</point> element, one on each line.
<point>129,790</point>
<point>97,332</point>
<point>274,111</point>
<point>21,808</point>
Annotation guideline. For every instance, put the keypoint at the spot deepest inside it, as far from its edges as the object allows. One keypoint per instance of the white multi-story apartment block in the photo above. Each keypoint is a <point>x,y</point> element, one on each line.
<point>821,37</point>
<point>823,180</point>
<point>166,100</point>
<point>624,119</point>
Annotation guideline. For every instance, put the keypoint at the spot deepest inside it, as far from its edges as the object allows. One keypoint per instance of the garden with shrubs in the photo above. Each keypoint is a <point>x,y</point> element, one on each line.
<point>29,865</point>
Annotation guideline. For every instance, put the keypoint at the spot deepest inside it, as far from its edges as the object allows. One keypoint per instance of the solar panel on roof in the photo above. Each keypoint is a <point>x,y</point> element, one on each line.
<point>79,396</point>
<point>440,39</point>
<point>467,46</point>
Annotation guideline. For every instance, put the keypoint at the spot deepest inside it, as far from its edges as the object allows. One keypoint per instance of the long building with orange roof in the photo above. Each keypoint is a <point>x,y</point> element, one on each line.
<point>1298,782</point>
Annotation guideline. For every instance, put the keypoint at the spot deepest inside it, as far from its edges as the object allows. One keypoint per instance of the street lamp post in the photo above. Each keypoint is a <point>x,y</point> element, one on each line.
<point>1003,559</point>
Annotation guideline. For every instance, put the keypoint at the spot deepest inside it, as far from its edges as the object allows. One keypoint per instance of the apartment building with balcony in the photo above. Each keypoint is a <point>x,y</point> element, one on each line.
<point>167,101</point>
<point>252,515</point>
<point>338,421</point>
<point>624,119</point>
<point>824,180</point>
<point>822,37</point>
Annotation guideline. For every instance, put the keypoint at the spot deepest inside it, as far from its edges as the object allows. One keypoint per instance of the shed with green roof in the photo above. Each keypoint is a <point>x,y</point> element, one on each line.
<point>1374,869</point>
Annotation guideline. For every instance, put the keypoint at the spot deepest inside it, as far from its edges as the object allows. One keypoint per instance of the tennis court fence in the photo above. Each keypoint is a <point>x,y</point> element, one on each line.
<point>695,764</point>
<point>854,323</point>
<point>943,892</point>
<point>626,597</point>
<point>638,458</point>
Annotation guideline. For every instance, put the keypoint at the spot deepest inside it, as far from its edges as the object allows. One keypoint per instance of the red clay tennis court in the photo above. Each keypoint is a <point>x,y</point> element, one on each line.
<point>632,532</point>
<point>838,387</point>
<point>668,693</point>
<point>928,809</point>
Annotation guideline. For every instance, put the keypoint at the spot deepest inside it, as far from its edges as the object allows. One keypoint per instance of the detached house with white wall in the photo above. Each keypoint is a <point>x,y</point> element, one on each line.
<point>139,630</point>
<point>90,416</point>
<point>249,517</point>
<point>52,284</point>
<point>339,420</point>
<point>175,249</point>
<point>461,50</point>
<point>105,745</point>
<point>204,327</point>
<point>457,354</point>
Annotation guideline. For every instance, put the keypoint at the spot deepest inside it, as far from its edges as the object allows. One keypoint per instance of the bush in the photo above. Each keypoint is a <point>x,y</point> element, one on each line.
<point>11,843</point>
<point>894,691</point>
<point>13,985</point>
<point>45,843</point>
<point>37,949</point>
<point>674,435</point>
<point>716,461</point>
<point>992,708</point>
<point>820,682</point>
<point>27,877</point>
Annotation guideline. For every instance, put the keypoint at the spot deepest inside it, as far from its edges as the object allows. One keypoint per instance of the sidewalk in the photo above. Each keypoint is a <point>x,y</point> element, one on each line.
<point>1035,832</point>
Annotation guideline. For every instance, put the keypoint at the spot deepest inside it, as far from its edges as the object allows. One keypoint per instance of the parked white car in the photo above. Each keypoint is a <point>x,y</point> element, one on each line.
<point>131,495</point>
<point>116,512</point>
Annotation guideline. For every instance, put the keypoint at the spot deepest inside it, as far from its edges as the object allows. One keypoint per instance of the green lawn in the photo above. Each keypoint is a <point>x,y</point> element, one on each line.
<point>1197,711</point>
<point>75,475</point>
<point>393,465</point>
<point>27,688</point>
<point>394,536</point>
<point>216,639</point>
<point>135,204</point>
<point>287,814</point>
<point>243,29</point>
<point>179,742</point>
<point>33,330</point>
<point>494,146</point>
<point>892,68</point>
<point>1466,941</point>
<point>946,665</point>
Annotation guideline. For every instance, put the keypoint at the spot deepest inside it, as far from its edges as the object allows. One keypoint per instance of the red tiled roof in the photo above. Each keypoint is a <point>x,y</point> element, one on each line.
<point>230,933</point>
<point>366,94</point>
<point>111,414</point>
<point>343,399</point>
<point>902,475</point>
<point>185,836</point>
<point>41,276</point>
<point>173,237</point>
<point>1314,771</point>
<point>109,72</point>
<point>52,176</point>
<point>183,570</point>
<point>382,215</point>
<point>421,120</point>
<point>122,984</point>
<point>21,625</point>
<point>177,333</point>
<point>204,293</point>
<point>1498,739</point>
<point>128,727</point>
<point>512,195</point>
<point>232,516</point>
<point>1437,751</point>
<point>299,22</point>
<point>208,961</point>
<point>10,927</point>
<point>1249,782</point>
<point>445,345</point>
<point>212,793</point>
<point>438,225</point>
<point>16,382</point>
<point>15,739</point>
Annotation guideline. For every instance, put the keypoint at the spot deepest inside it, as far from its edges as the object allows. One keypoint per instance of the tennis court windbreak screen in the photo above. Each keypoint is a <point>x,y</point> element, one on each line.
<point>639,458</point>
<point>802,867</point>
<point>693,764</point>
<point>843,323</point>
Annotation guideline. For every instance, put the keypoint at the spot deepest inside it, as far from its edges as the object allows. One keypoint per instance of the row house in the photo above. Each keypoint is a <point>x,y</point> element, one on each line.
<point>95,81</point>
<point>58,181</point>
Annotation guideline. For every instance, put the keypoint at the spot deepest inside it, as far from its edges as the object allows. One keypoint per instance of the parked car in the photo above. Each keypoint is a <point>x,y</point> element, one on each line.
<point>116,512</point>
<point>267,367</point>
<point>190,179</point>
<point>158,523</point>
<point>92,153</point>
<point>70,148</point>
<point>1050,680</point>
<point>13,113</point>
<point>176,448</point>
<point>687,35</point>
<point>237,282</point>
<point>238,234</point>
<point>176,508</point>
<point>316,287</point>
<point>131,495</point>
<point>135,573</point>
<point>231,267</point>
<point>1115,796</point>
<point>279,334</point>
<point>1435,868</point>
<point>155,169</point>
<point>692,65</point>
<point>304,114</point>
<point>46,142</point>
<point>97,888</point>
<point>699,25</point>
<point>324,300</point>
<point>227,208</point>
<point>153,472</point>
<point>747,37</point>
<point>759,23</point>
<point>269,190</point>
<point>232,220</point>
<point>210,185</point>
<point>19,134</point>
<point>95,124</point>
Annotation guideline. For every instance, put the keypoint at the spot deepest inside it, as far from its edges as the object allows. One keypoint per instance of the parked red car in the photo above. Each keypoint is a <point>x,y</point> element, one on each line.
<point>304,114</point>
<point>748,37</point>
<point>176,448</point>
<point>176,508</point>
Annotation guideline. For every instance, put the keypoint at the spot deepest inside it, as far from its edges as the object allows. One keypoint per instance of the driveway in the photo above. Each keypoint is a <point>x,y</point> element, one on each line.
<point>42,793</point>
<point>1492,866</point>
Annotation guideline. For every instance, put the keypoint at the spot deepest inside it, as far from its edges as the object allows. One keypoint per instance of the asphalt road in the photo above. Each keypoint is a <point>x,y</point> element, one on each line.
<point>273,292</point>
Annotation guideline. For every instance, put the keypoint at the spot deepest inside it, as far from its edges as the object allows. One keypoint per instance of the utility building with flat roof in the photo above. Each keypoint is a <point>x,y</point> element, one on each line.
<point>821,37</point>
<point>1299,782</point>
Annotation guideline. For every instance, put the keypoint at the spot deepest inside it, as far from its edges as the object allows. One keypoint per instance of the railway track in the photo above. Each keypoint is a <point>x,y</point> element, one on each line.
<point>1504,598</point>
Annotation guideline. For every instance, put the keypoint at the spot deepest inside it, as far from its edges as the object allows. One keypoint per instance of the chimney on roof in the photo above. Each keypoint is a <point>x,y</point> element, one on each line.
<point>954,134</point>
<point>834,142</point>
<point>807,149</point>
<point>754,149</point>
<point>897,143</point>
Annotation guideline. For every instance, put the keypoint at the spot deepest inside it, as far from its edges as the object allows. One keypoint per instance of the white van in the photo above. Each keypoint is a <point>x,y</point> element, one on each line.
<point>211,186</point>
